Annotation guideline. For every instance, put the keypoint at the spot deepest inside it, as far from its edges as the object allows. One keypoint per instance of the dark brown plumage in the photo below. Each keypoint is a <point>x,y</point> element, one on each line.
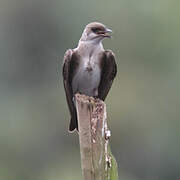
<point>88,69</point>
<point>70,65</point>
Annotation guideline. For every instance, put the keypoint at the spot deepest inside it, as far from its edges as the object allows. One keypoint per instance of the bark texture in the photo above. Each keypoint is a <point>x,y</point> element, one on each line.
<point>96,159</point>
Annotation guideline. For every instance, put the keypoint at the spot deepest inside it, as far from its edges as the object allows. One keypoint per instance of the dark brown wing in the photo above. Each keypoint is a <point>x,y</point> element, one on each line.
<point>109,70</point>
<point>68,70</point>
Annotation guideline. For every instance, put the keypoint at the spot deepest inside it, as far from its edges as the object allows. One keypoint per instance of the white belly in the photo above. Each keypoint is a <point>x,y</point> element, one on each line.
<point>87,79</point>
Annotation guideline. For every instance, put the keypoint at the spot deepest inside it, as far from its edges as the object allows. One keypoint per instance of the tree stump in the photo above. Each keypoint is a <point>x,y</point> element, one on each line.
<point>97,161</point>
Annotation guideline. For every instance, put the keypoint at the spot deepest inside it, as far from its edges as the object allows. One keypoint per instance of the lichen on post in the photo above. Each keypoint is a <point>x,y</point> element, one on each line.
<point>96,158</point>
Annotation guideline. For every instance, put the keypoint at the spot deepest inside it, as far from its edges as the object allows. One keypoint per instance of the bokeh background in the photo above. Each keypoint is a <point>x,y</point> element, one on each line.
<point>143,104</point>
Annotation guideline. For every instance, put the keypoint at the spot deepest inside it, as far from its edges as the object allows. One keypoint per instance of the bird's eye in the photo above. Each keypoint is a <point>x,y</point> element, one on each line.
<point>95,30</point>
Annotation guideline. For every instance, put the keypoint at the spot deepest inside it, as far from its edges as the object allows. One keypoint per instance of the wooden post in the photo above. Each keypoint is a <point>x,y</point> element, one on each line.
<point>96,158</point>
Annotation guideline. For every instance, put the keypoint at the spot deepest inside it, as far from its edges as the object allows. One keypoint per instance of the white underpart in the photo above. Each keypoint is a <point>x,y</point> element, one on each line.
<point>84,81</point>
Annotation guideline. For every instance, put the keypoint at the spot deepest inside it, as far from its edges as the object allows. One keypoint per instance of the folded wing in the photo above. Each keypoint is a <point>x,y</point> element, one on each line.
<point>69,66</point>
<point>108,73</point>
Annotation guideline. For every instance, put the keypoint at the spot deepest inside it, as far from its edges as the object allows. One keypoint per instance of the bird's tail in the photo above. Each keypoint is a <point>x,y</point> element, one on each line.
<point>73,125</point>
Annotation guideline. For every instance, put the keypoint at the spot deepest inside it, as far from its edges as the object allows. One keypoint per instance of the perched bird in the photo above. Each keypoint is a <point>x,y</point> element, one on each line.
<point>88,69</point>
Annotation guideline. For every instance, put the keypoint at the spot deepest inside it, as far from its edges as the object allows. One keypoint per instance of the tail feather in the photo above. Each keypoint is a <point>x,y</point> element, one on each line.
<point>73,125</point>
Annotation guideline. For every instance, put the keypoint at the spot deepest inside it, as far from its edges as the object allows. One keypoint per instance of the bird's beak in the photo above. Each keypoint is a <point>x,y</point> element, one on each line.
<point>107,33</point>
<point>108,30</point>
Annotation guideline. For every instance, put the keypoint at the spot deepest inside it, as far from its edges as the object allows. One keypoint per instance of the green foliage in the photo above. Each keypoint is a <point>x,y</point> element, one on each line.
<point>113,169</point>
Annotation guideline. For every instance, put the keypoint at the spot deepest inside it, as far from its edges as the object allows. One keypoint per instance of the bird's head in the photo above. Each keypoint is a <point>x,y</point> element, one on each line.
<point>95,32</point>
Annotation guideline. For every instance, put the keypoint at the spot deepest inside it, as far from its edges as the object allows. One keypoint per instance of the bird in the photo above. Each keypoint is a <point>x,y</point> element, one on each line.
<point>88,69</point>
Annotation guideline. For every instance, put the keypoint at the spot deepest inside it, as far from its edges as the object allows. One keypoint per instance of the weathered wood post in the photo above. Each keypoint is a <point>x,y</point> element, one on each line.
<point>97,161</point>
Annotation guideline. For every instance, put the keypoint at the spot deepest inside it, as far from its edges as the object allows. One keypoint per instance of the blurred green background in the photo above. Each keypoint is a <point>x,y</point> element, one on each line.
<point>143,104</point>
